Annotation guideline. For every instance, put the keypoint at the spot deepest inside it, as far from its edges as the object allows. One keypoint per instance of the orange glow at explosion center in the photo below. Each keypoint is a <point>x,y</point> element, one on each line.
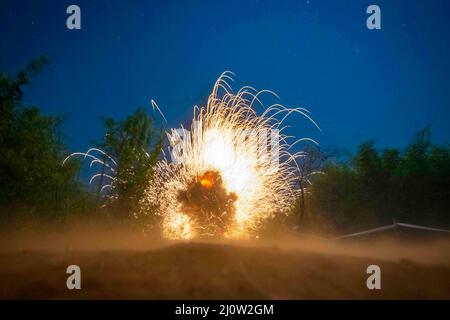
<point>206,180</point>
<point>229,137</point>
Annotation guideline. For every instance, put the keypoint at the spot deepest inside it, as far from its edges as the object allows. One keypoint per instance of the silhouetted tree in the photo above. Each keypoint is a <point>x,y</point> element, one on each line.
<point>32,151</point>
<point>309,164</point>
<point>135,144</point>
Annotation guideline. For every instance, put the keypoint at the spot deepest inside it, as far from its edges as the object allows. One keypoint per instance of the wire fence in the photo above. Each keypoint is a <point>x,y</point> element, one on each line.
<point>394,225</point>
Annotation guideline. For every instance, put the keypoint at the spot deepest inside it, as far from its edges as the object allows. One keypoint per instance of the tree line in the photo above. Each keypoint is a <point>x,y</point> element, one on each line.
<point>35,179</point>
<point>375,187</point>
<point>368,188</point>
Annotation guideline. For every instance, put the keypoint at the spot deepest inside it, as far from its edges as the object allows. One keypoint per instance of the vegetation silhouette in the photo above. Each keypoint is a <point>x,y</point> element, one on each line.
<point>366,189</point>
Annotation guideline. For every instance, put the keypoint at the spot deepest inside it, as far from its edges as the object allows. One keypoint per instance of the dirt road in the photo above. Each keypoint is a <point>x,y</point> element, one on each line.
<point>221,271</point>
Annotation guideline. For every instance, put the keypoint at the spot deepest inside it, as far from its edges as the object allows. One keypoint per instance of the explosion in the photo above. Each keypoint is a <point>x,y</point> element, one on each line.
<point>230,172</point>
<point>209,204</point>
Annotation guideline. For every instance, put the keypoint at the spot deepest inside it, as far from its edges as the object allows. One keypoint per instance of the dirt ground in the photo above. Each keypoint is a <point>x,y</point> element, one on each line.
<point>119,265</point>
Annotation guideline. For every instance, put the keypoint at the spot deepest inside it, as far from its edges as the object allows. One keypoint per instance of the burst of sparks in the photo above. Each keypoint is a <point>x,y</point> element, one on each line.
<point>98,156</point>
<point>228,136</point>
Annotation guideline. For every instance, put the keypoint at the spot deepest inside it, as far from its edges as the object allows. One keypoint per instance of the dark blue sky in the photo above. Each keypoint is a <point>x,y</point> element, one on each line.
<point>359,84</point>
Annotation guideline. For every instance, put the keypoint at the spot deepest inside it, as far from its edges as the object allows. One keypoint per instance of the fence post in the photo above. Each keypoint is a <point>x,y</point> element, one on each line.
<point>394,222</point>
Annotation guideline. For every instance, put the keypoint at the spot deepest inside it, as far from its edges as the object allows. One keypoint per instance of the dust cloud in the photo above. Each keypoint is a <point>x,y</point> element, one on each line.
<point>120,262</point>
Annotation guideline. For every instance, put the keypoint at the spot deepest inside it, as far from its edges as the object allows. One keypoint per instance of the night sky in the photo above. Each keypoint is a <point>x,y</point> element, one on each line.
<point>358,83</point>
